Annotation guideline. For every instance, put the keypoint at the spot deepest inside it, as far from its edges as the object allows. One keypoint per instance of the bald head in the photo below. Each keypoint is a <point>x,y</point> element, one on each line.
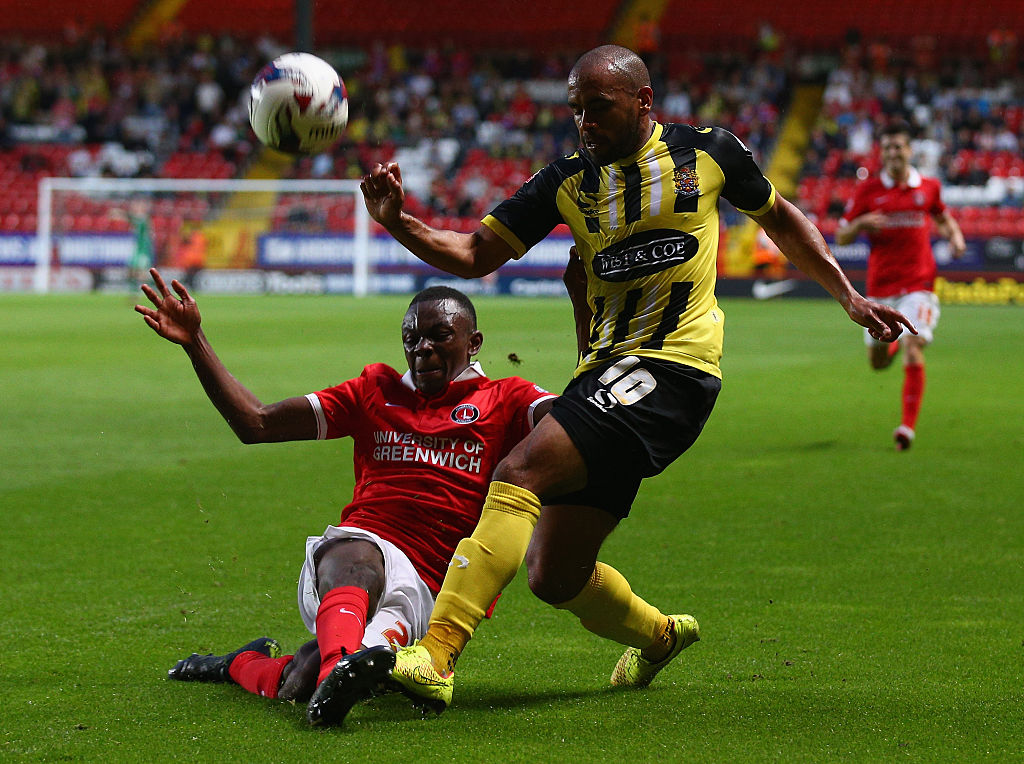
<point>620,65</point>
<point>610,96</point>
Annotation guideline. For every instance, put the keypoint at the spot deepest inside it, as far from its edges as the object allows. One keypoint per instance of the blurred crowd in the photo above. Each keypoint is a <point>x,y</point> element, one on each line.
<point>472,126</point>
<point>441,108</point>
<point>967,111</point>
<point>144,105</point>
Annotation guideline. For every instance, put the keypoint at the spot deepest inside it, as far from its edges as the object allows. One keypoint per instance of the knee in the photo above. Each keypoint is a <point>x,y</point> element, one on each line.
<point>915,352</point>
<point>550,582</point>
<point>512,471</point>
<point>360,575</point>
<point>544,586</point>
<point>351,563</point>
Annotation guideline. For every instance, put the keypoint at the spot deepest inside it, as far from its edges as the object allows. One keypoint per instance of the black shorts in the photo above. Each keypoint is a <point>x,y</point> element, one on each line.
<point>630,418</point>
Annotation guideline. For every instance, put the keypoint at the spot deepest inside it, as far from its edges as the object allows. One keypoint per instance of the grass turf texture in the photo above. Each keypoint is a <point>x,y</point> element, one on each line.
<point>856,604</point>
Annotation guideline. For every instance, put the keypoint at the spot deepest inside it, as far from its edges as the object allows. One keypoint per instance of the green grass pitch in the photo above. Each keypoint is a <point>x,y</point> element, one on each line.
<point>856,604</point>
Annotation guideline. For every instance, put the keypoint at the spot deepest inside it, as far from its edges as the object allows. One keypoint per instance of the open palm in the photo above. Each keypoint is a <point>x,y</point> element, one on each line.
<point>172,318</point>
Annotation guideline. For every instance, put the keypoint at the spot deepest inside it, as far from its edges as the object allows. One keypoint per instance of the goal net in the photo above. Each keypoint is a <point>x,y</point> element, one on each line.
<point>214,230</point>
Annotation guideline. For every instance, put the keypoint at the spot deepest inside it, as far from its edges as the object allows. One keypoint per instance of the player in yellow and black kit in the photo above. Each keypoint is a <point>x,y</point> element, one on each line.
<point>646,228</point>
<point>641,200</point>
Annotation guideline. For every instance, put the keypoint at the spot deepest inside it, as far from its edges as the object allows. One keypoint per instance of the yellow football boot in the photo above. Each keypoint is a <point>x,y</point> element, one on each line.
<point>415,676</point>
<point>633,670</point>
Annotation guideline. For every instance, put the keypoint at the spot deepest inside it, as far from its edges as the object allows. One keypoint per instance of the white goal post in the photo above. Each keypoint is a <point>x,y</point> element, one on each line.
<point>122,189</point>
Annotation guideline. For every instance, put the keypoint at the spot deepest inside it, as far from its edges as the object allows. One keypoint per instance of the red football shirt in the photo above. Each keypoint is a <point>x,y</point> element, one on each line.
<point>901,258</point>
<point>422,465</point>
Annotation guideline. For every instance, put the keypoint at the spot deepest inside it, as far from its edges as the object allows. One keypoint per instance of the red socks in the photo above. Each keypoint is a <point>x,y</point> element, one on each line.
<point>258,673</point>
<point>340,624</point>
<point>913,390</point>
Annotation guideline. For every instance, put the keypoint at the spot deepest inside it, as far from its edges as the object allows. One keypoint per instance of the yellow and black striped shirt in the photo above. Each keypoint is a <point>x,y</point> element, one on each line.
<point>646,228</point>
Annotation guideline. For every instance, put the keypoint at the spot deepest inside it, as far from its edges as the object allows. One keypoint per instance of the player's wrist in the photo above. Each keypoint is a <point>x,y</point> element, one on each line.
<point>196,343</point>
<point>402,223</point>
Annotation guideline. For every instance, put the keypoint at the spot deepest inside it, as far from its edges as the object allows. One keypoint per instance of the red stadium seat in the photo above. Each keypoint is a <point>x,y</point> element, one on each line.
<point>525,25</point>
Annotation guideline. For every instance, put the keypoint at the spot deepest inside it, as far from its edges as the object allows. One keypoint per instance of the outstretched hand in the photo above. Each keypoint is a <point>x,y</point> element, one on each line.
<point>173,319</point>
<point>882,322</point>
<point>383,193</point>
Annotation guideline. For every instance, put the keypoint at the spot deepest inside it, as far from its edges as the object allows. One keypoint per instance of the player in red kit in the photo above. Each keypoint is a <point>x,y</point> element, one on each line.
<point>894,210</point>
<point>425,445</point>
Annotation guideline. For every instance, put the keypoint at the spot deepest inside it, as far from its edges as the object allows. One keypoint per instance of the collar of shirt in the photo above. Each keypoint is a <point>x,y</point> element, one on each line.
<point>913,178</point>
<point>643,150</point>
<point>473,371</point>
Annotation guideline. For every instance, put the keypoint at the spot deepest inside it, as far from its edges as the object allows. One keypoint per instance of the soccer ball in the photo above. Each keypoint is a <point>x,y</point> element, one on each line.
<point>298,104</point>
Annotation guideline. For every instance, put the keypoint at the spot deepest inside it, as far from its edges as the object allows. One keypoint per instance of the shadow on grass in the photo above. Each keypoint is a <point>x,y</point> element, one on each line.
<point>395,708</point>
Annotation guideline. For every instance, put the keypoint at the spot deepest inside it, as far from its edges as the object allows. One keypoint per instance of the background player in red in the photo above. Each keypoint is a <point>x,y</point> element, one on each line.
<point>426,443</point>
<point>893,209</point>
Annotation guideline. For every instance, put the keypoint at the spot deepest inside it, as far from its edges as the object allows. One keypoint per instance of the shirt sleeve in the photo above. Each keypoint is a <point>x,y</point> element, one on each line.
<point>746,187</point>
<point>938,206</point>
<point>530,214</point>
<point>857,205</point>
<point>336,408</point>
<point>521,398</point>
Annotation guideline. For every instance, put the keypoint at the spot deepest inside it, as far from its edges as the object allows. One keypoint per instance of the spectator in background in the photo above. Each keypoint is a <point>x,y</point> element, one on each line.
<point>893,210</point>
<point>209,96</point>
<point>192,255</point>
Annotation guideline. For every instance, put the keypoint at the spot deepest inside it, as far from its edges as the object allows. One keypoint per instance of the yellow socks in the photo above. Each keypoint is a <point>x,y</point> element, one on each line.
<point>482,566</point>
<point>663,644</point>
<point>487,561</point>
<point>607,607</point>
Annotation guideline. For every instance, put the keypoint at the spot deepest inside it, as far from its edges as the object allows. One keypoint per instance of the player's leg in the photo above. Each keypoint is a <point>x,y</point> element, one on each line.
<point>349,580</point>
<point>609,422</point>
<point>923,309</point>
<point>912,393</point>
<point>564,572</point>
<point>267,675</point>
<point>487,561</point>
<point>636,417</point>
<point>220,668</point>
<point>298,680</point>
<point>564,548</point>
<point>483,564</point>
<point>882,354</point>
<point>399,610</point>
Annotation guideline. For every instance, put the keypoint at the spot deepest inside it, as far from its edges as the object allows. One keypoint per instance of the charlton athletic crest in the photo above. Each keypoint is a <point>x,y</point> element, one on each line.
<point>465,413</point>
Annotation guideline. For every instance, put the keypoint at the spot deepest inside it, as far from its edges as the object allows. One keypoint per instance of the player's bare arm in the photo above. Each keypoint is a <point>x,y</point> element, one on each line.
<point>541,410</point>
<point>575,280</point>
<point>869,221</point>
<point>177,319</point>
<point>467,255</point>
<point>801,242</point>
<point>950,229</point>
